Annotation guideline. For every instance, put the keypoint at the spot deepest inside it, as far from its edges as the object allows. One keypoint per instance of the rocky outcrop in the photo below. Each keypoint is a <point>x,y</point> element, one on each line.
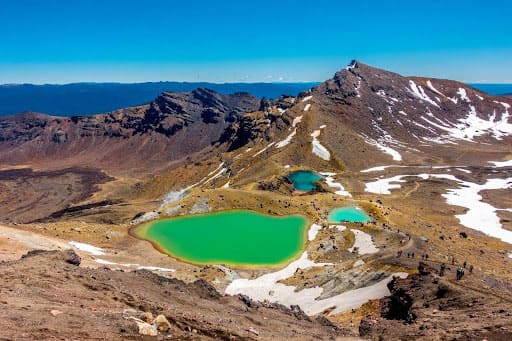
<point>398,306</point>
<point>428,307</point>
<point>171,127</point>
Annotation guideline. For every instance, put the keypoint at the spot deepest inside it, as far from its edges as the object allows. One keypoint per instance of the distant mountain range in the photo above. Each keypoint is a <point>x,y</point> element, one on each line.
<point>494,89</point>
<point>92,98</point>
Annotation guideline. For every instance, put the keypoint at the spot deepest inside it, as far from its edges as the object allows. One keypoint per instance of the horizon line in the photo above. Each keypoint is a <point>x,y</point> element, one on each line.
<point>209,82</point>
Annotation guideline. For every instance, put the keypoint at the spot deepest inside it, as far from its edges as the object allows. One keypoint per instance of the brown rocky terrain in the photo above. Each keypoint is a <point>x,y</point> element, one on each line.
<point>426,306</point>
<point>46,295</point>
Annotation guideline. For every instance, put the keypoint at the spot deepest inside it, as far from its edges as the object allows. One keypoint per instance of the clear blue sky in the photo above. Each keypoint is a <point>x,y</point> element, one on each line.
<point>61,41</point>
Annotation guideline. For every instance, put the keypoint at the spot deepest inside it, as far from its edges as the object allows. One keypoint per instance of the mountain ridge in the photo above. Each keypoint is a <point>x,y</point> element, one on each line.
<point>93,98</point>
<point>393,114</point>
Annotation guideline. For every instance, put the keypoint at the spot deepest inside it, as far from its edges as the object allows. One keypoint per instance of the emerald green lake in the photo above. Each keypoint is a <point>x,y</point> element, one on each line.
<point>304,180</point>
<point>238,237</point>
<point>351,214</point>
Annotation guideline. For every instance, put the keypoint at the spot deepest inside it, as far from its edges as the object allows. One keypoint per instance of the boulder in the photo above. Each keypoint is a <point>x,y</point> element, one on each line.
<point>162,323</point>
<point>147,317</point>
<point>71,257</point>
<point>147,329</point>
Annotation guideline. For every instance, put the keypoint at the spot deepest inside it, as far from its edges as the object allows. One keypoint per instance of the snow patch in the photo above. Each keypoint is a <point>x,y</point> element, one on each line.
<point>104,262</point>
<point>313,231</point>
<point>93,250</point>
<point>306,107</point>
<point>417,90</point>
<point>429,84</point>
<point>363,243</point>
<point>479,216</point>
<point>155,268</point>
<point>318,149</point>
<point>129,265</point>
<point>463,95</point>
<point>297,120</point>
<point>264,149</point>
<point>499,164</point>
<point>384,185</point>
<point>340,228</point>
<point>463,170</point>
<point>473,126</point>
<point>307,98</point>
<point>376,169</point>
<point>287,140</point>
<point>216,175</point>
<point>388,150</point>
<point>339,189</point>
<point>266,287</point>
<point>358,87</point>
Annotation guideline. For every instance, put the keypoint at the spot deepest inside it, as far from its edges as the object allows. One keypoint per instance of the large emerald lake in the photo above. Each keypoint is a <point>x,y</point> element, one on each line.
<point>238,237</point>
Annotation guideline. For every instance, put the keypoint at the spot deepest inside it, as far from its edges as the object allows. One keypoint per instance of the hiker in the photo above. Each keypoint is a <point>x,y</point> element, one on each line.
<point>471,268</point>
<point>441,270</point>
<point>465,263</point>
<point>460,273</point>
<point>453,260</point>
<point>398,254</point>
<point>412,254</point>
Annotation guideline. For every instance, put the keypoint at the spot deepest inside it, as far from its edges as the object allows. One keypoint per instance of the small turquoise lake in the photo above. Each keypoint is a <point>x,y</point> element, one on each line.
<point>304,180</point>
<point>350,214</point>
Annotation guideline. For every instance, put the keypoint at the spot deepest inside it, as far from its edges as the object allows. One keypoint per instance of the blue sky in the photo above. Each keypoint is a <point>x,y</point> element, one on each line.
<point>62,41</point>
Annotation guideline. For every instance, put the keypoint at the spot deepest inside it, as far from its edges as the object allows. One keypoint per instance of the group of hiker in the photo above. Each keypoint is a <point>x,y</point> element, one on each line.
<point>442,268</point>
<point>460,269</point>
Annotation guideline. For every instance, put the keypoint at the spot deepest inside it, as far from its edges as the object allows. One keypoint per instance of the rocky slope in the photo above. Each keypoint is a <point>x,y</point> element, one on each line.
<point>173,126</point>
<point>426,306</point>
<point>47,295</point>
<point>394,118</point>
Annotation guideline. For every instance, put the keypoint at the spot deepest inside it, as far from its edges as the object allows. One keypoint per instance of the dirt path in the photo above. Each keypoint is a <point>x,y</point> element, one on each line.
<point>15,242</point>
<point>409,192</point>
